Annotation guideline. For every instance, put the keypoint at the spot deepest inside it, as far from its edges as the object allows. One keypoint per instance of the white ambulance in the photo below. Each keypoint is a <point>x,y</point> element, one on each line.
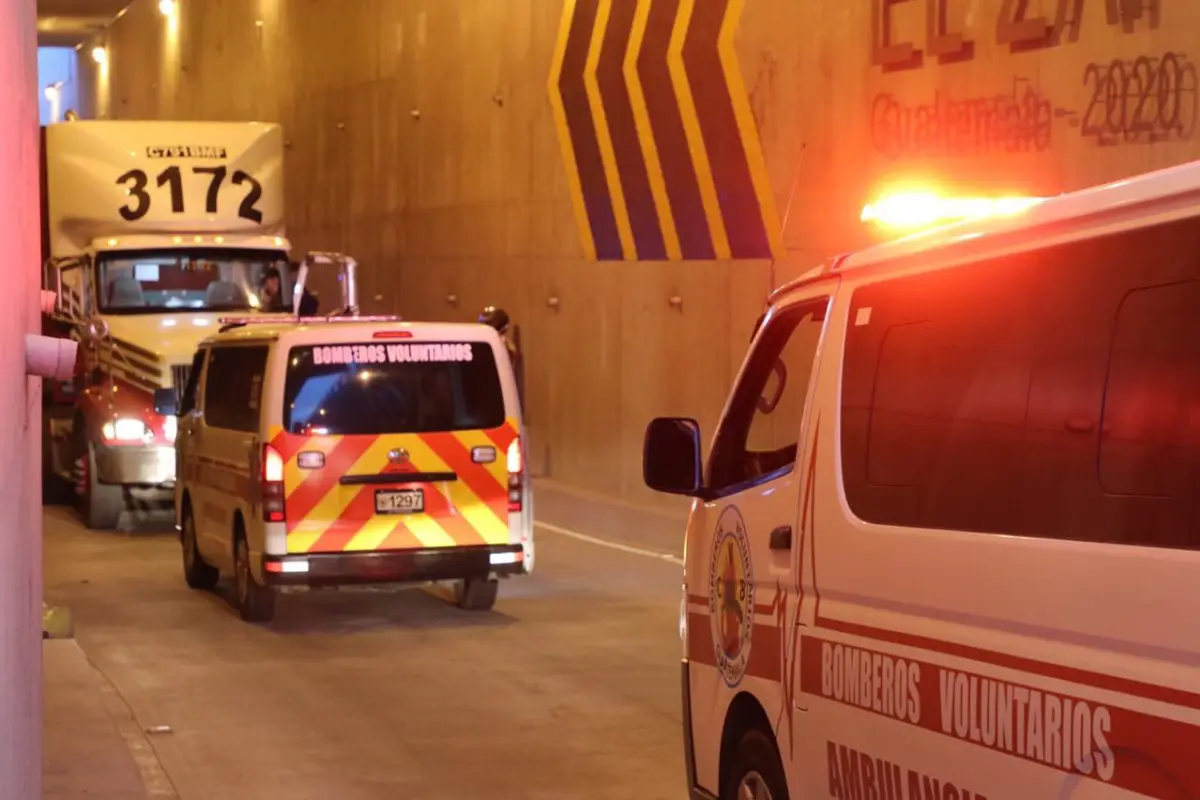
<point>945,543</point>
<point>351,450</point>
<point>152,231</point>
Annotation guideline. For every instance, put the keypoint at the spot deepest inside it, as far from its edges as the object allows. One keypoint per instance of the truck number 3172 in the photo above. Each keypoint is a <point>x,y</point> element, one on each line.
<point>135,182</point>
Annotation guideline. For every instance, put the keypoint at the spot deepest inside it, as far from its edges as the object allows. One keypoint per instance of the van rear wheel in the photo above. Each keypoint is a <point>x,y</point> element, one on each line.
<point>255,603</point>
<point>756,772</point>
<point>476,594</point>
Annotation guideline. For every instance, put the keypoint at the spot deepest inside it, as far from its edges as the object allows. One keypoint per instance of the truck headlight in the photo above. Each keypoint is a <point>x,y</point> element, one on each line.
<point>126,430</point>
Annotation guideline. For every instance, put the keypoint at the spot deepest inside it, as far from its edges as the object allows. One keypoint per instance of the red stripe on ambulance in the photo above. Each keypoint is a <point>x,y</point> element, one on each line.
<point>476,476</point>
<point>1106,742</point>
<point>318,483</point>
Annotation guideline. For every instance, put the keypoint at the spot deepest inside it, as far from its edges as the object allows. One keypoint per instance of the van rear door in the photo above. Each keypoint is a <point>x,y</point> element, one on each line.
<point>391,446</point>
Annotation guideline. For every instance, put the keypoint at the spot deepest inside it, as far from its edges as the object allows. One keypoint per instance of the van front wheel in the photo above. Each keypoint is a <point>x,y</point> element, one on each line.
<point>756,772</point>
<point>475,594</point>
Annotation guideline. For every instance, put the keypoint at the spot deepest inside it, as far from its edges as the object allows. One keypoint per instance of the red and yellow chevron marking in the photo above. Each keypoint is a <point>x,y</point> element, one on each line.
<point>323,516</point>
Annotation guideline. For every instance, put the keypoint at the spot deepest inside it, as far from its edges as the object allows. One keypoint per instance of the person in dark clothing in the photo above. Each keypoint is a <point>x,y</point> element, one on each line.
<point>308,303</point>
<point>270,293</point>
<point>498,318</point>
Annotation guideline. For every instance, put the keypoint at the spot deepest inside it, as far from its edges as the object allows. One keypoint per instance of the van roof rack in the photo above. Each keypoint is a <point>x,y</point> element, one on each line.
<point>229,323</point>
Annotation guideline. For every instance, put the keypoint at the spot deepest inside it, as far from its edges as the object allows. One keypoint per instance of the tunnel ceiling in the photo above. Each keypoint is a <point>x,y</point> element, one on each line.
<point>66,23</point>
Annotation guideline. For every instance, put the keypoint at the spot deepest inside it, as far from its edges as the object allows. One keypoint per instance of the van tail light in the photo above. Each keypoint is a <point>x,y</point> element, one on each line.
<point>272,485</point>
<point>516,477</point>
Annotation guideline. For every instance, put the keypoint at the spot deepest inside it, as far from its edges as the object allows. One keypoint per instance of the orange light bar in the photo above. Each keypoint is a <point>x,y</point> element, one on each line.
<point>910,211</point>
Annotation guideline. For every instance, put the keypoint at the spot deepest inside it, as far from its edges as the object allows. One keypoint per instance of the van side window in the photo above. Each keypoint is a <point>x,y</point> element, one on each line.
<point>233,389</point>
<point>1054,394</point>
<point>1150,447</point>
<point>187,400</point>
<point>760,434</point>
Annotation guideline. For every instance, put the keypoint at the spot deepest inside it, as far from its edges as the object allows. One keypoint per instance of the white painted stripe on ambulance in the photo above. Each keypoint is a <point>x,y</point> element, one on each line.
<point>625,548</point>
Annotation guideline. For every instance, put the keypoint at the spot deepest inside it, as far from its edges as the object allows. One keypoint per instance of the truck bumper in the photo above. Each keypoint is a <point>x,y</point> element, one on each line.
<point>144,466</point>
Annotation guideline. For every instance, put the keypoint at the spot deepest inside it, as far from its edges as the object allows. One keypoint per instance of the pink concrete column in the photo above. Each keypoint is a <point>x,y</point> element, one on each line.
<point>20,410</point>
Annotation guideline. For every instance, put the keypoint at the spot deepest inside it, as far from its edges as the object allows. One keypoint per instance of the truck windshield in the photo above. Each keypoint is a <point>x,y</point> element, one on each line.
<point>202,279</point>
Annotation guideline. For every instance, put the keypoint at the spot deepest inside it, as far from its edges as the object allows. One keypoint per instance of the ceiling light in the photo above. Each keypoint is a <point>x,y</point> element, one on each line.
<point>99,55</point>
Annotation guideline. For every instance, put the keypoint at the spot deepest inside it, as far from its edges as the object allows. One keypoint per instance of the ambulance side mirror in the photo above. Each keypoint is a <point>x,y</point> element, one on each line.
<point>671,456</point>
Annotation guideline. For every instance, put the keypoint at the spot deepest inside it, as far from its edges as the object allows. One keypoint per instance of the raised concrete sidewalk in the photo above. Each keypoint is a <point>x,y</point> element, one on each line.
<point>92,745</point>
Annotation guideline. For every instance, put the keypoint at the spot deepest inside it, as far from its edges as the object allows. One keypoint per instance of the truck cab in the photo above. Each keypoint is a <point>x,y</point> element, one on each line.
<point>152,230</point>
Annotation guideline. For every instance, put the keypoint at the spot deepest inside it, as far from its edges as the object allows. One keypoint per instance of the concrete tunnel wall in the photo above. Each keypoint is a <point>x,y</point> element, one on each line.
<point>704,150</point>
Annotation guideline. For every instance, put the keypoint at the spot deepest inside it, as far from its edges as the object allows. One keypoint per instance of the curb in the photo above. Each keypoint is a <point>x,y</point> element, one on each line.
<point>57,622</point>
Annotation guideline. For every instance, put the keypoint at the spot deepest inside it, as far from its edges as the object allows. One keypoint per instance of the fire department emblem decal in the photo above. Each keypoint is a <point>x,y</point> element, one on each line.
<point>731,596</point>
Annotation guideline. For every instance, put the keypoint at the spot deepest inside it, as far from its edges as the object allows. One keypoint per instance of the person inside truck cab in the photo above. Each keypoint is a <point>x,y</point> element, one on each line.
<point>270,292</point>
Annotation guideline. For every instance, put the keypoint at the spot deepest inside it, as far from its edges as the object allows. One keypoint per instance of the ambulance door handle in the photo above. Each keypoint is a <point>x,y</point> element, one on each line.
<point>781,538</point>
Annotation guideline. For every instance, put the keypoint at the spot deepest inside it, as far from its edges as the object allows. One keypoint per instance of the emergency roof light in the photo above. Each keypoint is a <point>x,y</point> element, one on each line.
<point>911,211</point>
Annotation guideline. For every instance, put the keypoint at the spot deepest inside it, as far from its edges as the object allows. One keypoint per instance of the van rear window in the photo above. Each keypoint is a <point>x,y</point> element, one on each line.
<point>373,388</point>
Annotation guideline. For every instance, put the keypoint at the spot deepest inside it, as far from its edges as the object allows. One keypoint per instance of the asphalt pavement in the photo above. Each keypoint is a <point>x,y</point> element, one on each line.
<point>569,688</point>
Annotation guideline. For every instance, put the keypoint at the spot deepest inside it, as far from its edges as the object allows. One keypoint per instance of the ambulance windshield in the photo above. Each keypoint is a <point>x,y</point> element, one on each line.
<point>202,279</point>
<point>374,388</point>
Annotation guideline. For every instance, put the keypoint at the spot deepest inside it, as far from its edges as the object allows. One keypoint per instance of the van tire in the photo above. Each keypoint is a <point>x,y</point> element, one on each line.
<point>475,594</point>
<point>100,504</point>
<point>198,573</point>
<point>255,603</point>
<point>755,760</point>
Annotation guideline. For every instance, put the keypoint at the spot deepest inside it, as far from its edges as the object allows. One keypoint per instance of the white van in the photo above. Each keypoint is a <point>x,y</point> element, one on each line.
<point>351,450</point>
<point>945,541</point>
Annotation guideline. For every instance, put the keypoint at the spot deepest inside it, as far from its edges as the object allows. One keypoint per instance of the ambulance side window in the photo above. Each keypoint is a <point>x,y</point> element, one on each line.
<point>1051,393</point>
<point>760,434</point>
<point>233,389</point>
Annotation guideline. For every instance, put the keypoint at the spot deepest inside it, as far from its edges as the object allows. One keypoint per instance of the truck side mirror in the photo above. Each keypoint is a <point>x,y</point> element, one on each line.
<point>166,403</point>
<point>671,456</point>
<point>301,274</point>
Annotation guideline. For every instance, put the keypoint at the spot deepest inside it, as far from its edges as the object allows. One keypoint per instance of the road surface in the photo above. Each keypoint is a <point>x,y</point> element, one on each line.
<point>568,689</point>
